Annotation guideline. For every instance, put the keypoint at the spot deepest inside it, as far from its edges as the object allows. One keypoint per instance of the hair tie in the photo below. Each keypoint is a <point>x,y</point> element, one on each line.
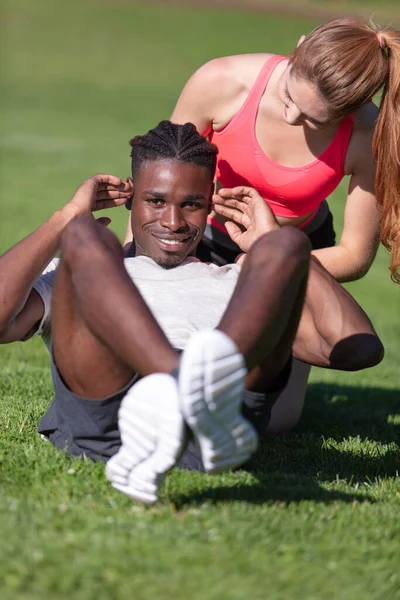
<point>381,40</point>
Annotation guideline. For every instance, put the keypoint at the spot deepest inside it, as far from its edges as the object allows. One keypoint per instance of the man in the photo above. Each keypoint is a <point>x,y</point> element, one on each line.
<point>116,328</point>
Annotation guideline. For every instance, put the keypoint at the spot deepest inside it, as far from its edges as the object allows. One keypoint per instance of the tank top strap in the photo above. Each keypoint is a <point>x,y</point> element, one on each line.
<point>256,93</point>
<point>346,126</point>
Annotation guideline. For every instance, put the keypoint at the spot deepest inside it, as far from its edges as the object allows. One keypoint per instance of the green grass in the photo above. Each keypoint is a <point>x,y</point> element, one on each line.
<point>347,5</point>
<point>316,514</point>
<point>366,7</point>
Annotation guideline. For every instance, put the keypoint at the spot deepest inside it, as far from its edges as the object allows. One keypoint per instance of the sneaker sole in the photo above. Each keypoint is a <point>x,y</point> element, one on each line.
<point>211,385</point>
<point>153,436</point>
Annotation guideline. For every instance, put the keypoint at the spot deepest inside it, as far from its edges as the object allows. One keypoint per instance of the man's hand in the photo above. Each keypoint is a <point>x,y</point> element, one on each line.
<point>249,215</point>
<point>20,306</point>
<point>100,192</point>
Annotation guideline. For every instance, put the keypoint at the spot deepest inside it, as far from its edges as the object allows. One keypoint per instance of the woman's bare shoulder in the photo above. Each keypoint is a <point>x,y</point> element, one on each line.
<point>215,92</point>
<point>236,70</point>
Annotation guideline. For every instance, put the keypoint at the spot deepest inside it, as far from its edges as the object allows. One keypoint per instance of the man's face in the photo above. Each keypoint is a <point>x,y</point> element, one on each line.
<point>171,202</point>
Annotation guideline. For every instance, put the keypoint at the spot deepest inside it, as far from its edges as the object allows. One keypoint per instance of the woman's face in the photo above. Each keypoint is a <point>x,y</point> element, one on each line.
<point>301,105</point>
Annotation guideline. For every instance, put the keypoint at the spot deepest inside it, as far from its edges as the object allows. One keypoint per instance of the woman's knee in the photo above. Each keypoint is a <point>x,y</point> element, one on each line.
<point>288,409</point>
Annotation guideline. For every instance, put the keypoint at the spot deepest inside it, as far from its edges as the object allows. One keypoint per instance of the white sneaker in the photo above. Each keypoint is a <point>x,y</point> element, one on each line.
<point>211,385</point>
<point>153,435</point>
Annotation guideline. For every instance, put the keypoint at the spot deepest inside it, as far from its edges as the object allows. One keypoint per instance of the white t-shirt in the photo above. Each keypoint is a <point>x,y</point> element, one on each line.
<point>185,299</point>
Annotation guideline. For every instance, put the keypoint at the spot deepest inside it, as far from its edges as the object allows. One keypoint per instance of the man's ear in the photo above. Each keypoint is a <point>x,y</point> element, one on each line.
<point>128,203</point>
<point>301,40</point>
<point>129,180</point>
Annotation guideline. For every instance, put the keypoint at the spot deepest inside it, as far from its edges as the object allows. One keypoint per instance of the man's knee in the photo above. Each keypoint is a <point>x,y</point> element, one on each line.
<point>285,246</point>
<point>75,237</point>
<point>84,236</point>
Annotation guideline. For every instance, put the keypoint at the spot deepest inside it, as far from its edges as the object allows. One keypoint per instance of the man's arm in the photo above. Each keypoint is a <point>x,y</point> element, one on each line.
<point>20,306</point>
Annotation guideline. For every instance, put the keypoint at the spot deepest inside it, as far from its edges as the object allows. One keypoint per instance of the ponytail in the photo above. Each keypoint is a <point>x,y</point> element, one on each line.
<point>386,150</point>
<point>348,62</point>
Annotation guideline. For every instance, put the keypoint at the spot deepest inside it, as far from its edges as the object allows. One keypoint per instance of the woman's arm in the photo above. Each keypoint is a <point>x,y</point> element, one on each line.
<point>353,256</point>
<point>196,103</point>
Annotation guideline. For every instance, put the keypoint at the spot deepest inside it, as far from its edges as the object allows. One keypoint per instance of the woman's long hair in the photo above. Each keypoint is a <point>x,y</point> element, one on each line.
<point>348,62</point>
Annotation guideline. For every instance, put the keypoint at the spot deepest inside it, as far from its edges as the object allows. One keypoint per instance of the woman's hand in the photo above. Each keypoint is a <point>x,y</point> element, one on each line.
<point>249,215</point>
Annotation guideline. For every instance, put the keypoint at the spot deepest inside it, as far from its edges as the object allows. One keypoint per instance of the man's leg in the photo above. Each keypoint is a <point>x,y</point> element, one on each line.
<point>259,324</point>
<point>263,322</point>
<point>264,313</point>
<point>103,334</point>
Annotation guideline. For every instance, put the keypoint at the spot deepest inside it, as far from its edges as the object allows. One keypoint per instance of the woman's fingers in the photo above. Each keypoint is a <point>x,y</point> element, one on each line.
<point>232,204</point>
<point>234,231</point>
<point>230,198</point>
<point>236,199</point>
<point>232,213</point>
<point>243,193</point>
<point>221,206</point>
<point>229,201</point>
<point>226,211</point>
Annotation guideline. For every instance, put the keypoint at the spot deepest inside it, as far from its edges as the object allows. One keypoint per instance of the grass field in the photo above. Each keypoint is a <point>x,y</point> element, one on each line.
<point>381,13</point>
<point>316,516</point>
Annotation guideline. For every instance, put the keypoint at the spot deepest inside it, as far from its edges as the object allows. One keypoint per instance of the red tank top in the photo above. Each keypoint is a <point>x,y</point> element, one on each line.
<point>289,191</point>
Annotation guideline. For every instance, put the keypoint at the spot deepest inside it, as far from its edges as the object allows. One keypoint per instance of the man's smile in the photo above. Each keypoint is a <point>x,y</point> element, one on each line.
<point>172,244</point>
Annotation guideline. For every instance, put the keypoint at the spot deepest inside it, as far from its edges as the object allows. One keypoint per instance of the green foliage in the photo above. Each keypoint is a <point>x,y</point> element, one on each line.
<point>315,515</point>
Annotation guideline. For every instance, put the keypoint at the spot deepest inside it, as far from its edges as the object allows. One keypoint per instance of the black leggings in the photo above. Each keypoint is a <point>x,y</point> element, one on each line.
<point>210,251</point>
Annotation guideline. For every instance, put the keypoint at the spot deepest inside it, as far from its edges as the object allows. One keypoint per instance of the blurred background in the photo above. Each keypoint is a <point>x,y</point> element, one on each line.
<point>80,78</point>
<point>317,517</point>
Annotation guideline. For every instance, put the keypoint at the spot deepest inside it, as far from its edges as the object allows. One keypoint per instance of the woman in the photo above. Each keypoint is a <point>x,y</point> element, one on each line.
<point>292,128</point>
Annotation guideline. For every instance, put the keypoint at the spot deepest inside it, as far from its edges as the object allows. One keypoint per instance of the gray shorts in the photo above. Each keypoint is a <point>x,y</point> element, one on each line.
<point>83,427</point>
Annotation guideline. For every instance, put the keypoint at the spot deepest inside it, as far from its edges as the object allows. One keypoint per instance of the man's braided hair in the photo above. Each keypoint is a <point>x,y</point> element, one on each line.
<point>171,141</point>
